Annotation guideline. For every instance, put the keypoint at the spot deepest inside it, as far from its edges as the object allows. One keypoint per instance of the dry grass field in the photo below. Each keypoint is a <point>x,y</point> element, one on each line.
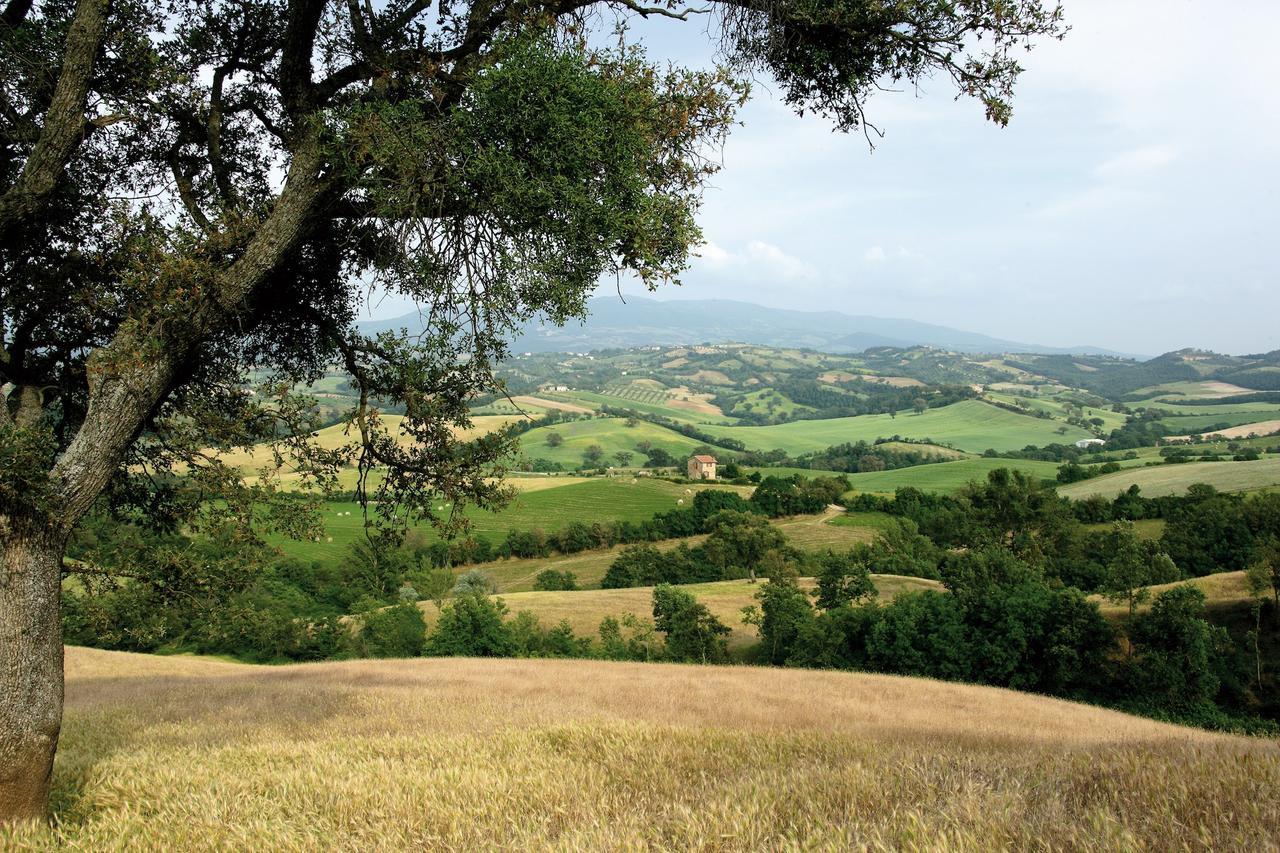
<point>456,754</point>
<point>584,609</point>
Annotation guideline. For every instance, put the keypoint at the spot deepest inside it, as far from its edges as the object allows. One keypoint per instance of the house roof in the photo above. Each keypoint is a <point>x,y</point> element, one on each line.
<point>704,458</point>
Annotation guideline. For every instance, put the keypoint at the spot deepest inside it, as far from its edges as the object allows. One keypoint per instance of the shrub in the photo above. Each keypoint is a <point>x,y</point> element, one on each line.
<point>552,580</point>
<point>472,625</point>
<point>393,632</point>
<point>693,634</point>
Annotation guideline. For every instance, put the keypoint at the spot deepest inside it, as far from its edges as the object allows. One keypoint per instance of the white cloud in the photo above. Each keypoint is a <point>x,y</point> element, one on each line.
<point>1149,159</point>
<point>757,260</point>
<point>712,255</point>
<point>778,261</point>
<point>875,255</point>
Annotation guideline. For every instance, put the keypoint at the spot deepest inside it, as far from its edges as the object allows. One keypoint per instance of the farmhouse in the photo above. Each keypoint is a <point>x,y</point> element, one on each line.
<point>1089,442</point>
<point>702,467</point>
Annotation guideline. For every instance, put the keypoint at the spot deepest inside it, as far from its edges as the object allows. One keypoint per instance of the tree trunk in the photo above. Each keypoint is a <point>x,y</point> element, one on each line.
<point>30,669</point>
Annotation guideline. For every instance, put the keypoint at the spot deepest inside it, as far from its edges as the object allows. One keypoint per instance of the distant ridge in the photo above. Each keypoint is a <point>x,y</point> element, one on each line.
<point>614,324</point>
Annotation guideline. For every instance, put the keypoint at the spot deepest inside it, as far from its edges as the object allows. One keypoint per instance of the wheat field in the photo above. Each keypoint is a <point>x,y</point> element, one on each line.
<point>195,754</point>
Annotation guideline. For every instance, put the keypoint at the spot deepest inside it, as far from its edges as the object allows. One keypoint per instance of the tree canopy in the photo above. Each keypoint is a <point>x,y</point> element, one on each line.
<point>192,194</point>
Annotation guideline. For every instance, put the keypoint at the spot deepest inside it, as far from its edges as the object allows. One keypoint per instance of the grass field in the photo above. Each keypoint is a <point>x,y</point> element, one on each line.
<point>1223,589</point>
<point>946,476</point>
<point>584,609</point>
<point>1055,406</point>
<point>339,435</point>
<point>969,425</point>
<point>457,754</point>
<point>611,434</point>
<point>549,509</point>
<point>1174,479</point>
<point>663,406</point>
<point>1256,429</point>
<point>830,530</point>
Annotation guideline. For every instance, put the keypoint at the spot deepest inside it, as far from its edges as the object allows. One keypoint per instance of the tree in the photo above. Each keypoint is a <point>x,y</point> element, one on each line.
<point>920,404</point>
<point>192,191</point>
<point>623,457</point>
<point>693,633</point>
<point>472,625</point>
<point>593,454</point>
<point>553,580</point>
<point>393,632</point>
<point>844,579</point>
<point>1264,570</point>
<point>554,439</point>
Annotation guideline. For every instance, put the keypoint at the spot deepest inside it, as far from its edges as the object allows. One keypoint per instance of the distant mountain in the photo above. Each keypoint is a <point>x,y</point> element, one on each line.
<point>613,323</point>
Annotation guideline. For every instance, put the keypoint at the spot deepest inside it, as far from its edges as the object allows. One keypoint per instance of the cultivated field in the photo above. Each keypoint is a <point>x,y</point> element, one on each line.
<point>946,476</point>
<point>969,425</point>
<point>610,434</point>
<point>195,754</point>
<point>1258,429</point>
<point>1174,479</point>
<point>549,509</point>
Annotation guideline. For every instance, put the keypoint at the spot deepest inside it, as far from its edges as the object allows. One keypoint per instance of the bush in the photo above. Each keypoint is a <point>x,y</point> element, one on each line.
<point>693,634</point>
<point>472,625</point>
<point>392,632</point>
<point>550,580</point>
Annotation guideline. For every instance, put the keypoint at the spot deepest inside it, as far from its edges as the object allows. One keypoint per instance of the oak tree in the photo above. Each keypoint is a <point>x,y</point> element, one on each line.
<point>195,193</point>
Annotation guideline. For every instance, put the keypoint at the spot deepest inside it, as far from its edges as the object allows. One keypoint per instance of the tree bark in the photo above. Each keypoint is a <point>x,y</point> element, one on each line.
<point>127,381</point>
<point>31,685</point>
<point>64,122</point>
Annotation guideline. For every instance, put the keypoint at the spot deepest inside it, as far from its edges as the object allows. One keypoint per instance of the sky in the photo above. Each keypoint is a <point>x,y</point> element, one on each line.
<point>1131,203</point>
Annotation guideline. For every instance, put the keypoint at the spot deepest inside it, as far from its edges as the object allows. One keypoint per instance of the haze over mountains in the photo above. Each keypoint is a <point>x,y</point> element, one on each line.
<point>642,322</point>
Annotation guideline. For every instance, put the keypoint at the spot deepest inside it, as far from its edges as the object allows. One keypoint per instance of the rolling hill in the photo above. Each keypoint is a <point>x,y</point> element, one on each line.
<point>1174,479</point>
<point>643,322</point>
<point>969,425</point>
<point>464,754</point>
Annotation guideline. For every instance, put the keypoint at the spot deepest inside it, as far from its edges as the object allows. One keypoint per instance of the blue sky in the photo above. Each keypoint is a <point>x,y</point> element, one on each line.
<point>1130,204</point>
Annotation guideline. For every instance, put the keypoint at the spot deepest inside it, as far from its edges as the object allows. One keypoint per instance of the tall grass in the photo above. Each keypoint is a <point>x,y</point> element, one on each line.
<point>171,753</point>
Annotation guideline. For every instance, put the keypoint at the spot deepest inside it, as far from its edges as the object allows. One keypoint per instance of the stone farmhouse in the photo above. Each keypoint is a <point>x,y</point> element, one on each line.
<point>702,467</point>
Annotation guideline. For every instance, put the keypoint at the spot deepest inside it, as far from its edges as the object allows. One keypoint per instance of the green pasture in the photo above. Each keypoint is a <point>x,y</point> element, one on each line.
<point>611,434</point>
<point>1174,479</point>
<point>592,399</point>
<point>969,425</point>
<point>550,509</point>
<point>946,477</point>
<point>1056,407</point>
<point>760,402</point>
<point>1233,416</point>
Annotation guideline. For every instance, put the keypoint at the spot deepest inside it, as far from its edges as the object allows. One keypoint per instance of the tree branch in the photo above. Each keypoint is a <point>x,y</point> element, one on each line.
<point>64,121</point>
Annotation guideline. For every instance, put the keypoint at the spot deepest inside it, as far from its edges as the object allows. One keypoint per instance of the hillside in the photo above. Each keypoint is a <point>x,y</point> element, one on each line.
<point>584,609</point>
<point>192,753</point>
<point>1174,479</point>
<point>638,321</point>
<point>968,425</point>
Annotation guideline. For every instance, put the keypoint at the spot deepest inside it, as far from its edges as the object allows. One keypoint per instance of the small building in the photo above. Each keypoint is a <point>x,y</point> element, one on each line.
<point>702,467</point>
<point>1089,442</point>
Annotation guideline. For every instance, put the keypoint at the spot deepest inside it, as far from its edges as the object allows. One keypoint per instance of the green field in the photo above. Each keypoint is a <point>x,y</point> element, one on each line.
<point>596,499</point>
<point>1056,407</point>
<point>945,477</point>
<point>969,425</point>
<point>662,406</point>
<point>611,434</point>
<point>834,531</point>
<point>1174,479</point>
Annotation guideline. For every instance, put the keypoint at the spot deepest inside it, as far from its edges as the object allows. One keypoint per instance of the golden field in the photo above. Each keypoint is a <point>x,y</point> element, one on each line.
<point>584,609</point>
<point>458,754</point>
